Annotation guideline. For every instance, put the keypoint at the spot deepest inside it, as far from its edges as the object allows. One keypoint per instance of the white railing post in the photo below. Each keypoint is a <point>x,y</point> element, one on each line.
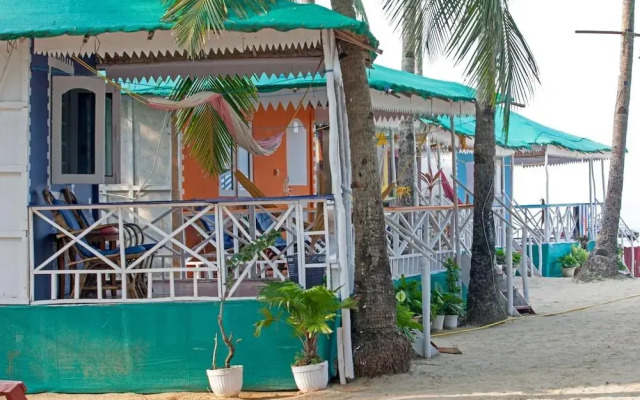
<point>523,264</point>
<point>32,264</point>
<point>302,275</point>
<point>123,258</point>
<point>509,271</point>
<point>220,250</point>
<point>426,306</point>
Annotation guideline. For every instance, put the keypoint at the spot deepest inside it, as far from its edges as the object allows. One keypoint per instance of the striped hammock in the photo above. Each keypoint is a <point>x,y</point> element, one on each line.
<point>239,130</point>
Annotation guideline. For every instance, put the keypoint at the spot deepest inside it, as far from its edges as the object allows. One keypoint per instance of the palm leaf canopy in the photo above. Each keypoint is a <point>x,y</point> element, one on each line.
<point>480,33</point>
<point>205,134</point>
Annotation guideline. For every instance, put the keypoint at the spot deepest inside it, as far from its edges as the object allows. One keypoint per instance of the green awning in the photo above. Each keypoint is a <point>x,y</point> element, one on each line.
<point>48,18</point>
<point>523,134</point>
<point>380,78</point>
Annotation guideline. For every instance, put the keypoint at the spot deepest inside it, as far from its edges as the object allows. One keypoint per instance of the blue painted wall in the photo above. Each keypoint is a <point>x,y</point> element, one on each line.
<point>40,134</point>
<point>461,164</point>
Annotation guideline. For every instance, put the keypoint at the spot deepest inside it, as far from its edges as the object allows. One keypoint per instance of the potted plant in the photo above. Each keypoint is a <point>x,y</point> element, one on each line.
<point>227,381</point>
<point>501,258</point>
<point>309,312</point>
<point>409,307</point>
<point>438,309</point>
<point>452,305</point>
<point>452,300</point>
<point>573,260</point>
<point>568,264</point>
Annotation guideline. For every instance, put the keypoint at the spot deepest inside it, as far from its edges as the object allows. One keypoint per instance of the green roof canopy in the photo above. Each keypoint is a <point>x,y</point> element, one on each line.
<point>48,18</point>
<point>380,78</point>
<point>523,134</point>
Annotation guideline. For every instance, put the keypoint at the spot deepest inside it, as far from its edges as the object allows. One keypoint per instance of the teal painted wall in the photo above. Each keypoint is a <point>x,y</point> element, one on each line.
<point>141,348</point>
<point>550,255</point>
<point>438,279</point>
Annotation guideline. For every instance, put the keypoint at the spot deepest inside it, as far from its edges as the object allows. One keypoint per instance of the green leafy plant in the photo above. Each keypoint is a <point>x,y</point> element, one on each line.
<point>501,258</point>
<point>516,257</point>
<point>408,293</point>
<point>452,304</point>
<point>452,276</point>
<point>576,257</point>
<point>567,261</point>
<point>308,311</point>
<point>437,301</point>
<point>579,254</point>
<point>246,254</point>
<point>407,321</point>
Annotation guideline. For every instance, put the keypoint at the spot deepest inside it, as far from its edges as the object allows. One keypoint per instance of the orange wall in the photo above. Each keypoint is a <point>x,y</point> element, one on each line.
<point>269,173</point>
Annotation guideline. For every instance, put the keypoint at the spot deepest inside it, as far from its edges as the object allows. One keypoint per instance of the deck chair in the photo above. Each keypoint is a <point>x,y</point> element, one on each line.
<point>133,233</point>
<point>80,255</point>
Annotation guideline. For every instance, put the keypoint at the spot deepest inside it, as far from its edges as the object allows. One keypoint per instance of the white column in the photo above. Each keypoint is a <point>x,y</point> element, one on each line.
<point>331,64</point>
<point>392,149</point>
<point>590,209</point>
<point>454,170</point>
<point>546,214</point>
<point>509,272</point>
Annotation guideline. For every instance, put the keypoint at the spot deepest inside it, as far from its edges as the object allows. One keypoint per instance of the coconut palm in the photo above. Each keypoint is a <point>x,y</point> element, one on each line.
<point>603,261</point>
<point>483,35</point>
<point>379,346</point>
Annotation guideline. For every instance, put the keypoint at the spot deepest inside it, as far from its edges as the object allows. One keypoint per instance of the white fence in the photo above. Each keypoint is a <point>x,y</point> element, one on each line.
<point>186,262</point>
<point>425,231</point>
<point>562,222</point>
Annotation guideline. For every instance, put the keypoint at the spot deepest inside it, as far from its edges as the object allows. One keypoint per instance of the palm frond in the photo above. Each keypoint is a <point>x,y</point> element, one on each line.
<point>361,12</point>
<point>205,134</point>
<point>196,20</point>
<point>480,33</point>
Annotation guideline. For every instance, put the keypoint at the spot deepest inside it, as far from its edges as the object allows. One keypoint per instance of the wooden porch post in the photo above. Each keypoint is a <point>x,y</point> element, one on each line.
<point>176,188</point>
<point>332,66</point>
<point>455,235</point>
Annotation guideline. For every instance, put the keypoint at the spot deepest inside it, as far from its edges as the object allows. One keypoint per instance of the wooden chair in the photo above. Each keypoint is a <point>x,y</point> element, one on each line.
<point>80,255</point>
<point>133,233</point>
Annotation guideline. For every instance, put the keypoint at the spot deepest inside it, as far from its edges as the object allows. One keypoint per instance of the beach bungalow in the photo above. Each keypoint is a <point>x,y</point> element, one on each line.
<point>94,295</point>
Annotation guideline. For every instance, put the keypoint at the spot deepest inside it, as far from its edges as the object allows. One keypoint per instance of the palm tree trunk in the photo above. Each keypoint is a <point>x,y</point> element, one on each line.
<point>379,348</point>
<point>407,143</point>
<point>603,261</point>
<point>485,304</point>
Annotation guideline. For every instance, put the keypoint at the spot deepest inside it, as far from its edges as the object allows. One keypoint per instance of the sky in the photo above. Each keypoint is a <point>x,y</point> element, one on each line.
<point>577,92</point>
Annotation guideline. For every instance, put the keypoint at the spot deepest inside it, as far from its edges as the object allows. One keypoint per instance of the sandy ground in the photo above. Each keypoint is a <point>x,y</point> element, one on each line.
<point>592,353</point>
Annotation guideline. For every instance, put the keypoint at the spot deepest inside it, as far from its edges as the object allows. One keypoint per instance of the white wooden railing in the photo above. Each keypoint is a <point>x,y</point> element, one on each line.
<point>181,252</point>
<point>563,222</point>
<point>424,231</point>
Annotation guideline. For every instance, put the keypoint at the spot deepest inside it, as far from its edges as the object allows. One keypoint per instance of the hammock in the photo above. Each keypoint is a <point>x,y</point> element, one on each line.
<point>240,131</point>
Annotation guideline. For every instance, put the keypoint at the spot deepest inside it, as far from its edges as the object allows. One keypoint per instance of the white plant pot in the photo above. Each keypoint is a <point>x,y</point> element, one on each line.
<point>438,323</point>
<point>226,382</point>
<point>311,378</point>
<point>450,321</point>
<point>569,272</point>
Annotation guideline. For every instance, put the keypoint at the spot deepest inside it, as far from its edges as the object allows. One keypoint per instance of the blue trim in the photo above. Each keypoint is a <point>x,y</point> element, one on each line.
<point>43,233</point>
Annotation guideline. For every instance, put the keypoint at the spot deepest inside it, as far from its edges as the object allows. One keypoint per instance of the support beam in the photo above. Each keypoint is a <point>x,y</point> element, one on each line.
<point>547,223</point>
<point>392,160</point>
<point>455,235</point>
<point>332,66</point>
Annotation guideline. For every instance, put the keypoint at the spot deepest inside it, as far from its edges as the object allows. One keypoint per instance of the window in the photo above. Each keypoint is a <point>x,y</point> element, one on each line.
<point>228,182</point>
<point>297,150</point>
<point>85,131</point>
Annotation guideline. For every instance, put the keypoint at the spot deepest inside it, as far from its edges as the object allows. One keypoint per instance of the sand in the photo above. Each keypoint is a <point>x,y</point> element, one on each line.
<point>592,353</point>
